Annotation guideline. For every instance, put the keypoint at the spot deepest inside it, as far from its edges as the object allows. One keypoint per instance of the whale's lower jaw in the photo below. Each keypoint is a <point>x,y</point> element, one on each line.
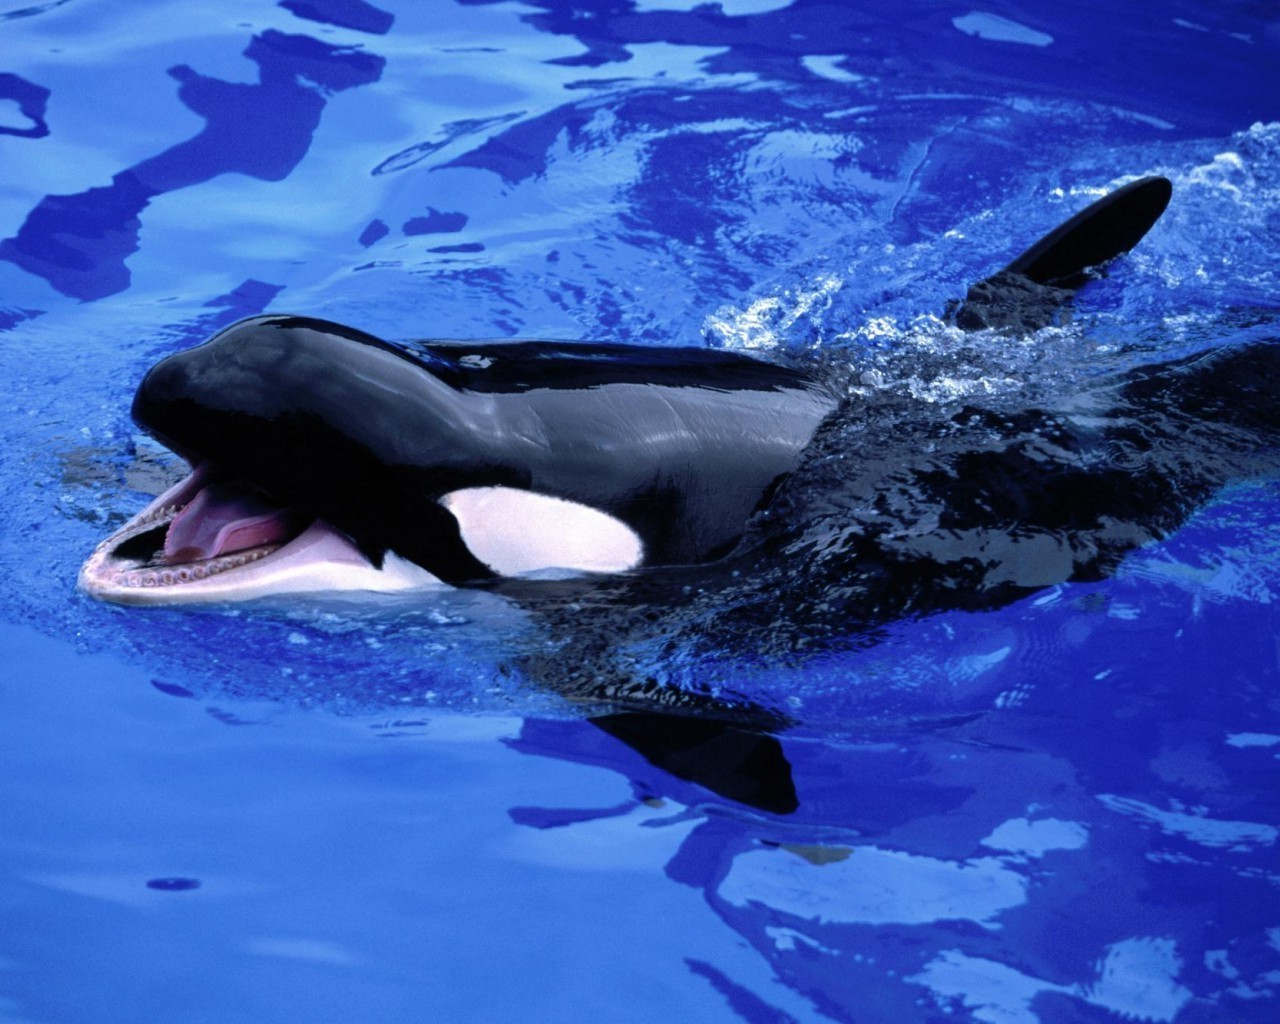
<point>125,569</point>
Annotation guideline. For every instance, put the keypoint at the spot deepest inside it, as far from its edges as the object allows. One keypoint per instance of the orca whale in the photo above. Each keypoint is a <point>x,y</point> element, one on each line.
<point>326,459</point>
<point>628,494</point>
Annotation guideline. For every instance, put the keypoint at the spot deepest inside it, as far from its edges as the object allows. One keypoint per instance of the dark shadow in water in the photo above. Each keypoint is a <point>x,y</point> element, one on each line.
<point>354,14</point>
<point>79,243</point>
<point>745,1003</point>
<point>246,299</point>
<point>31,100</point>
<point>905,45</point>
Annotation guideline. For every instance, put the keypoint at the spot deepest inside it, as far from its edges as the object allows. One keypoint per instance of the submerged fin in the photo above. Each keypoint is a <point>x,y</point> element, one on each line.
<point>740,764</point>
<point>1032,291</point>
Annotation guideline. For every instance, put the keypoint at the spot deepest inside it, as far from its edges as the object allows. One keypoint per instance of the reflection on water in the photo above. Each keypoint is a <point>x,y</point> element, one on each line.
<point>79,243</point>
<point>906,869</point>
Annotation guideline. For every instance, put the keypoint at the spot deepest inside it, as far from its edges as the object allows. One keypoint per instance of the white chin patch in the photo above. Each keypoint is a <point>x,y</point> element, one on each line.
<point>517,532</point>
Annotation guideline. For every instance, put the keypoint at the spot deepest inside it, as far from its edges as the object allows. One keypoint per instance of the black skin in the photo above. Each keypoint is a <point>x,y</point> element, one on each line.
<point>988,505</point>
<point>772,527</point>
<point>683,445</point>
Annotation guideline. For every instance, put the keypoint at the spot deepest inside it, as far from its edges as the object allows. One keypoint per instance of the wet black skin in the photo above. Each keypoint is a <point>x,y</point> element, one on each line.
<point>989,504</point>
<point>681,444</point>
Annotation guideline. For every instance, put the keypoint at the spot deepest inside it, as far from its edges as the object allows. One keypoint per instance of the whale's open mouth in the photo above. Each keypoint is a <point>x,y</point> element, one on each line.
<point>212,538</point>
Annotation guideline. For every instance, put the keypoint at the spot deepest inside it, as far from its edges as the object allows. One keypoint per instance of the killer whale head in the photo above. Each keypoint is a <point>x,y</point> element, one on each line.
<point>326,459</point>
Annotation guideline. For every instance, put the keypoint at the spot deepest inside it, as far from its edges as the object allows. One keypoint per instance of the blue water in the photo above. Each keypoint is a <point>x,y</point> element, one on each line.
<point>1064,810</point>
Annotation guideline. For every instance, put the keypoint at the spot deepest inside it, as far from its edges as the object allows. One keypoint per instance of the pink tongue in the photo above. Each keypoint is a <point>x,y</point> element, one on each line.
<point>219,520</point>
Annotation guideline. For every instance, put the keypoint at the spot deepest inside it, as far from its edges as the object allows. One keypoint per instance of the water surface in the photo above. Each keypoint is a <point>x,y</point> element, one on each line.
<point>1061,810</point>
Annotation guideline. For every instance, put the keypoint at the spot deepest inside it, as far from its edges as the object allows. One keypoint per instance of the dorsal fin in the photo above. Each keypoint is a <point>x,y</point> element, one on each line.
<point>1098,233</point>
<point>1036,289</point>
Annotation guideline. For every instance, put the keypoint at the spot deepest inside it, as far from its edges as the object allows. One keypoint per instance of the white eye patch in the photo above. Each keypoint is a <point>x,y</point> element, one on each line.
<point>514,531</point>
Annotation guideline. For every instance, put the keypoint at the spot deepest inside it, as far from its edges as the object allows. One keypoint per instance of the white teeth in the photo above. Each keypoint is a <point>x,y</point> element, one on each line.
<point>153,573</point>
<point>189,573</point>
<point>145,521</point>
<point>164,512</point>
